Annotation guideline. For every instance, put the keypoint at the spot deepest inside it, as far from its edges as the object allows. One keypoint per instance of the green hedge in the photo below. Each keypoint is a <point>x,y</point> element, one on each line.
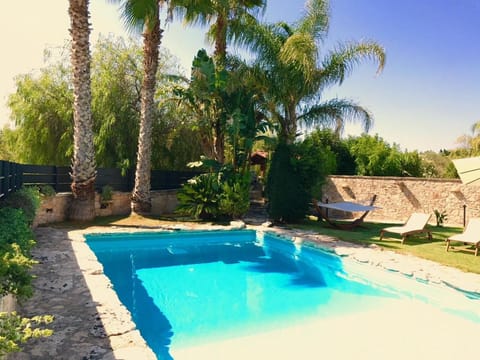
<point>16,241</point>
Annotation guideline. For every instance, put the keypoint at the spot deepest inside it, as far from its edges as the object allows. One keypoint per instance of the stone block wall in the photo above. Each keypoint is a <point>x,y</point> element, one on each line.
<point>398,197</point>
<point>55,208</point>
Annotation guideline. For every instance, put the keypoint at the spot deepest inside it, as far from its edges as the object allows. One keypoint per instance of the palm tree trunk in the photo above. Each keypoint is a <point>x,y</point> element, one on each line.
<point>220,52</point>
<point>141,200</point>
<point>219,141</point>
<point>83,163</point>
<point>288,125</point>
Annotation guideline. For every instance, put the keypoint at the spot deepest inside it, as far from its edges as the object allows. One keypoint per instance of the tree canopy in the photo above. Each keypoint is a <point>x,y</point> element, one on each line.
<point>42,111</point>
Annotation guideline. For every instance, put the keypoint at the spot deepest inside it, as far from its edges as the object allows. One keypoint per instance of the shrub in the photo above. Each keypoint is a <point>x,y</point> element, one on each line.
<point>235,197</point>
<point>16,241</point>
<point>106,194</point>
<point>288,197</point>
<point>27,199</point>
<point>46,190</point>
<point>200,197</point>
<point>216,195</point>
<point>15,330</point>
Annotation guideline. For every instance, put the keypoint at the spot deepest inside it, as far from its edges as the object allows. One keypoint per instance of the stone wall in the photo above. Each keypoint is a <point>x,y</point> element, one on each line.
<point>55,208</point>
<point>398,197</point>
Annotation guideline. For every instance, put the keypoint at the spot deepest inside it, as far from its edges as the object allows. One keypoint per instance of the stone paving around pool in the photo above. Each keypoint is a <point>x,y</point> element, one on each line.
<point>91,323</point>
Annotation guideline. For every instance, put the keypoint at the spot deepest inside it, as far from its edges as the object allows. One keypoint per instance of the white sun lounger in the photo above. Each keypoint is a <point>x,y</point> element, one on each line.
<point>471,235</point>
<point>415,225</point>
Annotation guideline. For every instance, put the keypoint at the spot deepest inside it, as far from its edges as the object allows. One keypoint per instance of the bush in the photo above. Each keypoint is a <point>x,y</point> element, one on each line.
<point>216,195</point>
<point>235,197</point>
<point>46,190</point>
<point>15,330</point>
<point>288,197</point>
<point>26,199</point>
<point>200,197</point>
<point>16,241</point>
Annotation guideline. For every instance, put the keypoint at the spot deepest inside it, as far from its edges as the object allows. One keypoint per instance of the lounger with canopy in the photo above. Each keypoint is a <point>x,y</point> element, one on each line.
<point>321,210</point>
<point>471,235</point>
<point>415,224</point>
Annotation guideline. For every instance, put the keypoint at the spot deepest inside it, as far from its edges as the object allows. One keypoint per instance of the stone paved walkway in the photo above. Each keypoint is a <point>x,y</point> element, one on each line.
<point>91,323</point>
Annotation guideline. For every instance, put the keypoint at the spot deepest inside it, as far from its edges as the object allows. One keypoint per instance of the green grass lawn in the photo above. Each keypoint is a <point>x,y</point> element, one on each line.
<point>418,246</point>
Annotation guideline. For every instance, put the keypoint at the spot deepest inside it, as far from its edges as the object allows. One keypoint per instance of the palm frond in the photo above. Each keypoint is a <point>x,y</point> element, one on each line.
<point>334,113</point>
<point>340,62</point>
<point>316,19</point>
<point>300,53</point>
<point>138,14</point>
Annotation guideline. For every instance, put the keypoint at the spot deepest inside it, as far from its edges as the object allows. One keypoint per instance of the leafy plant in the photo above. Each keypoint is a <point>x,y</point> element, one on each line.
<point>287,193</point>
<point>235,197</point>
<point>107,194</point>
<point>46,190</point>
<point>440,217</point>
<point>16,240</point>
<point>16,330</point>
<point>200,197</point>
<point>26,199</point>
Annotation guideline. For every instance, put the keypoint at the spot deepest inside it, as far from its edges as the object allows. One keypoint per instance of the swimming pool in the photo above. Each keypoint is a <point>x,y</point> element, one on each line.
<point>187,289</point>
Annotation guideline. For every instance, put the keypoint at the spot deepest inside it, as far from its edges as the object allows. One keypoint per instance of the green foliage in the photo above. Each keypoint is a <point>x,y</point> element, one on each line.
<point>8,141</point>
<point>375,157</point>
<point>46,190</point>
<point>106,194</point>
<point>437,165</point>
<point>26,199</point>
<point>326,140</point>
<point>200,197</point>
<point>16,241</point>
<point>16,330</point>
<point>295,73</point>
<point>219,194</point>
<point>235,197</point>
<point>316,159</point>
<point>42,108</point>
<point>440,217</point>
<point>287,192</point>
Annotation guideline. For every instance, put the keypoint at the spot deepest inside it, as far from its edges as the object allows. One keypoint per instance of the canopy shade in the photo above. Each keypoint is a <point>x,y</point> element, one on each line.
<point>468,169</point>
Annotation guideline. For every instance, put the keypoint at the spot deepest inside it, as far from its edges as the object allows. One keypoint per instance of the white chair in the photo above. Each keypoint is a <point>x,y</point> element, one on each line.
<point>415,225</point>
<point>470,235</point>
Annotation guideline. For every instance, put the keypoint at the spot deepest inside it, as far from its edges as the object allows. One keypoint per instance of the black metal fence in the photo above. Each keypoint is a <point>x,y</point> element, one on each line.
<point>13,176</point>
<point>10,177</point>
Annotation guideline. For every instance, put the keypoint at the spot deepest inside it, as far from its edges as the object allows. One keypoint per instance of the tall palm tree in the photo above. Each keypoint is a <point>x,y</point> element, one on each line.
<point>222,15</point>
<point>296,76</point>
<point>143,15</point>
<point>225,17</point>
<point>83,163</point>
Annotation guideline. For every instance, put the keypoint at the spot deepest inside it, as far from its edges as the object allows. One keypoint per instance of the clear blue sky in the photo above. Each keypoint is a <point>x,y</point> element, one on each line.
<point>425,98</point>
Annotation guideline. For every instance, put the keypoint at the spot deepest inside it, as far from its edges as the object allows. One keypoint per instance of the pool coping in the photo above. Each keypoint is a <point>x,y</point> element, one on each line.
<point>114,320</point>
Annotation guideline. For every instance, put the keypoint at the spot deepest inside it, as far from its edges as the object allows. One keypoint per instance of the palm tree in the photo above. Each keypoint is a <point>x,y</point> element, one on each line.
<point>295,77</point>
<point>225,17</point>
<point>83,163</point>
<point>143,15</point>
<point>222,15</point>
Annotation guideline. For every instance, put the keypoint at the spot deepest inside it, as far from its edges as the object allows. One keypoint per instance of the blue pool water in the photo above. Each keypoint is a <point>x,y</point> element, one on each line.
<point>187,288</point>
